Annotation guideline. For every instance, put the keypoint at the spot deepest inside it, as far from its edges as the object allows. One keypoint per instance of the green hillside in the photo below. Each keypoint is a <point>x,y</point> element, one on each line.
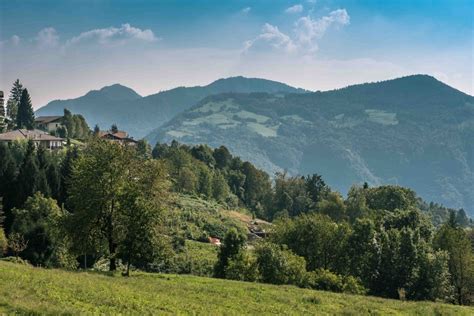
<point>413,131</point>
<point>28,290</point>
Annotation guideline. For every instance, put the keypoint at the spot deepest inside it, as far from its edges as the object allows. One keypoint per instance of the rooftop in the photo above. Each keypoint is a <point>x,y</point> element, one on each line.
<point>47,119</point>
<point>34,134</point>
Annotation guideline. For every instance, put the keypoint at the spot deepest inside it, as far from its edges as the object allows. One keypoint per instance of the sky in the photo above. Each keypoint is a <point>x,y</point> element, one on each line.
<point>63,49</point>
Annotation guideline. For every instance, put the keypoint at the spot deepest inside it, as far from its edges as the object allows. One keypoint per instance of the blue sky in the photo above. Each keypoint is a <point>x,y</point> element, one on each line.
<point>62,49</point>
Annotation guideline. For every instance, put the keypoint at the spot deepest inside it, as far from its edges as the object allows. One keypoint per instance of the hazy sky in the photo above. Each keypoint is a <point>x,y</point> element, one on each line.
<point>62,49</point>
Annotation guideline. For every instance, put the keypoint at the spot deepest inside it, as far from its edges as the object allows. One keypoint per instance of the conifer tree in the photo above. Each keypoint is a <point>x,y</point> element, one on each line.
<point>2,113</point>
<point>27,183</point>
<point>96,130</point>
<point>7,182</point>
<point>25,117</point>
<point>14,100</point>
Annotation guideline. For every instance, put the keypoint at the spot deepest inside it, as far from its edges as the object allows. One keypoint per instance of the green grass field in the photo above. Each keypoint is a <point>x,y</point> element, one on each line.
<point>28,290</point>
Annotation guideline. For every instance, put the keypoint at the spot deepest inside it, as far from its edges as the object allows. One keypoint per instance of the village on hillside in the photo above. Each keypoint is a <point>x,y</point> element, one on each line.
<point>18,123</point>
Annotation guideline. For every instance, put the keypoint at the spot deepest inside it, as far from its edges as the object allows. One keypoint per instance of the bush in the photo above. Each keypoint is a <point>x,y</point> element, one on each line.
<point>325,280</point>
<point>242,267</point>
<point>279,265</point>
<point>15,260</point>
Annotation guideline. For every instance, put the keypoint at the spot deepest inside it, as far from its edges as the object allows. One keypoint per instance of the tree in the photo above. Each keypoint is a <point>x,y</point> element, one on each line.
<point>96,130</point>
<point>14,100</point>
<point>25,117</point>
<point>316,187</point>
<point>232,244</point>
<point>356,203</point>
<point>453,239</point>
<point>390,197</point>
<point>2,113</point>
<point>8,191</point>
<point>144,149</point>
<point>333,206</point>
<point>141,205</point>
<point>363,250</point>
<point>28,181</point>
<point>222,157</point>
<point>17,244</point>
<point>278,265</point>
<point>107,174</point>
<point>220,189</point>
<point>114,128</point>
<point>242,267</point>
<point>65,173</point>
<point>203,153</point>
<point>322,242</point>
<point>38,222</point>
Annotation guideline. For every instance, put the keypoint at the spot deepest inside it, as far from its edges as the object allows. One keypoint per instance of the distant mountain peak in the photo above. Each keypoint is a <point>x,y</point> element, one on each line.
<point>246,85</point>
<point>115,92</point>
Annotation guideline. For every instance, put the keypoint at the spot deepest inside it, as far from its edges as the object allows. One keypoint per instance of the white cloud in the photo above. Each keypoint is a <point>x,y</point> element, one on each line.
<point>297,8</point>
<point>47,37</point>
<point>307,31</point>
<point>246,10</point>
<point>272,36</point>
<point>113,34</point>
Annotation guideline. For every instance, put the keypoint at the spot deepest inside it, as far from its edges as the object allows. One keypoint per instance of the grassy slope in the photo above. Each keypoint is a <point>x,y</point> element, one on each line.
<point>29,290</point>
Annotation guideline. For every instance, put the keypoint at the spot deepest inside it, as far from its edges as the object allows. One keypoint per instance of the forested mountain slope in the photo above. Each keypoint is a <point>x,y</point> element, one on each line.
<point>138,115</point>
<point>413,131</point>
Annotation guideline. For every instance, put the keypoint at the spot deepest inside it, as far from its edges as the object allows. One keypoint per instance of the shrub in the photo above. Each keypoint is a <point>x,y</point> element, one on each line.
<point>325,280</point>
<point>242,267</point>
<point>279,265</point>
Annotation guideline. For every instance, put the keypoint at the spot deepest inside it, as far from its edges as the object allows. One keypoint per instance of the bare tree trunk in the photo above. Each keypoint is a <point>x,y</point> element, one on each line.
<point>113,263</point>
<point>128,269</point>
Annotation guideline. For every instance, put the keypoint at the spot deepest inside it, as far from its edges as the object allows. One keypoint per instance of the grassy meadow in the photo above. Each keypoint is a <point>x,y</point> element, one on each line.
<point>28,290</point>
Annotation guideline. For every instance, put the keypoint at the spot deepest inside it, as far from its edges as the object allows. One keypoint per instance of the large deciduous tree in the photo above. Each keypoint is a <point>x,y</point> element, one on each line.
<point>123,198</point>
<point>453,239</point>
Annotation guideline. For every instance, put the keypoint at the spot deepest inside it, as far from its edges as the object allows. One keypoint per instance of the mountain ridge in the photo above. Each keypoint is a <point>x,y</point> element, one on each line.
<point>413,131</point>
<point>118,104</point>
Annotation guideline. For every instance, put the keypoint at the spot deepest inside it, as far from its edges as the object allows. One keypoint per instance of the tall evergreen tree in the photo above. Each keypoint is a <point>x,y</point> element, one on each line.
<point>8,168</point>
<point>96,130</point>
<point>25,117</point>
<point>14,100</point>
<point>2,113</point>
<point>27,183</point>
<point>65,174</point>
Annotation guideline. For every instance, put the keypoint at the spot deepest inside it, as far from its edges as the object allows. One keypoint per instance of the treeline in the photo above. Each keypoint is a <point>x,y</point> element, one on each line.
<point>70,208</point>
<point>399,255</point>
<point>19,114</point>
<point>215,173</point>
<point>19,110</point>
<point>73,126</point>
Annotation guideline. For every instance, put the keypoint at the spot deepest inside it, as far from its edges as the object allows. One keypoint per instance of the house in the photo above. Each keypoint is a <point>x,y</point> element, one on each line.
<point>214,241</point>
<point>118,136</point>
<point>40,138</point>
<point>48,123</point>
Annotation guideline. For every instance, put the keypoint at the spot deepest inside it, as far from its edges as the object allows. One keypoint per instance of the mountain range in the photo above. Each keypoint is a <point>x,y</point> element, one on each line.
<point>413,131</point>
<point>138,115</point>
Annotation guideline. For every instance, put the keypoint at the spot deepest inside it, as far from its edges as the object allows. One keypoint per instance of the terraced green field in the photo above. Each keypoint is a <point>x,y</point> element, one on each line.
<point>28,290</point>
